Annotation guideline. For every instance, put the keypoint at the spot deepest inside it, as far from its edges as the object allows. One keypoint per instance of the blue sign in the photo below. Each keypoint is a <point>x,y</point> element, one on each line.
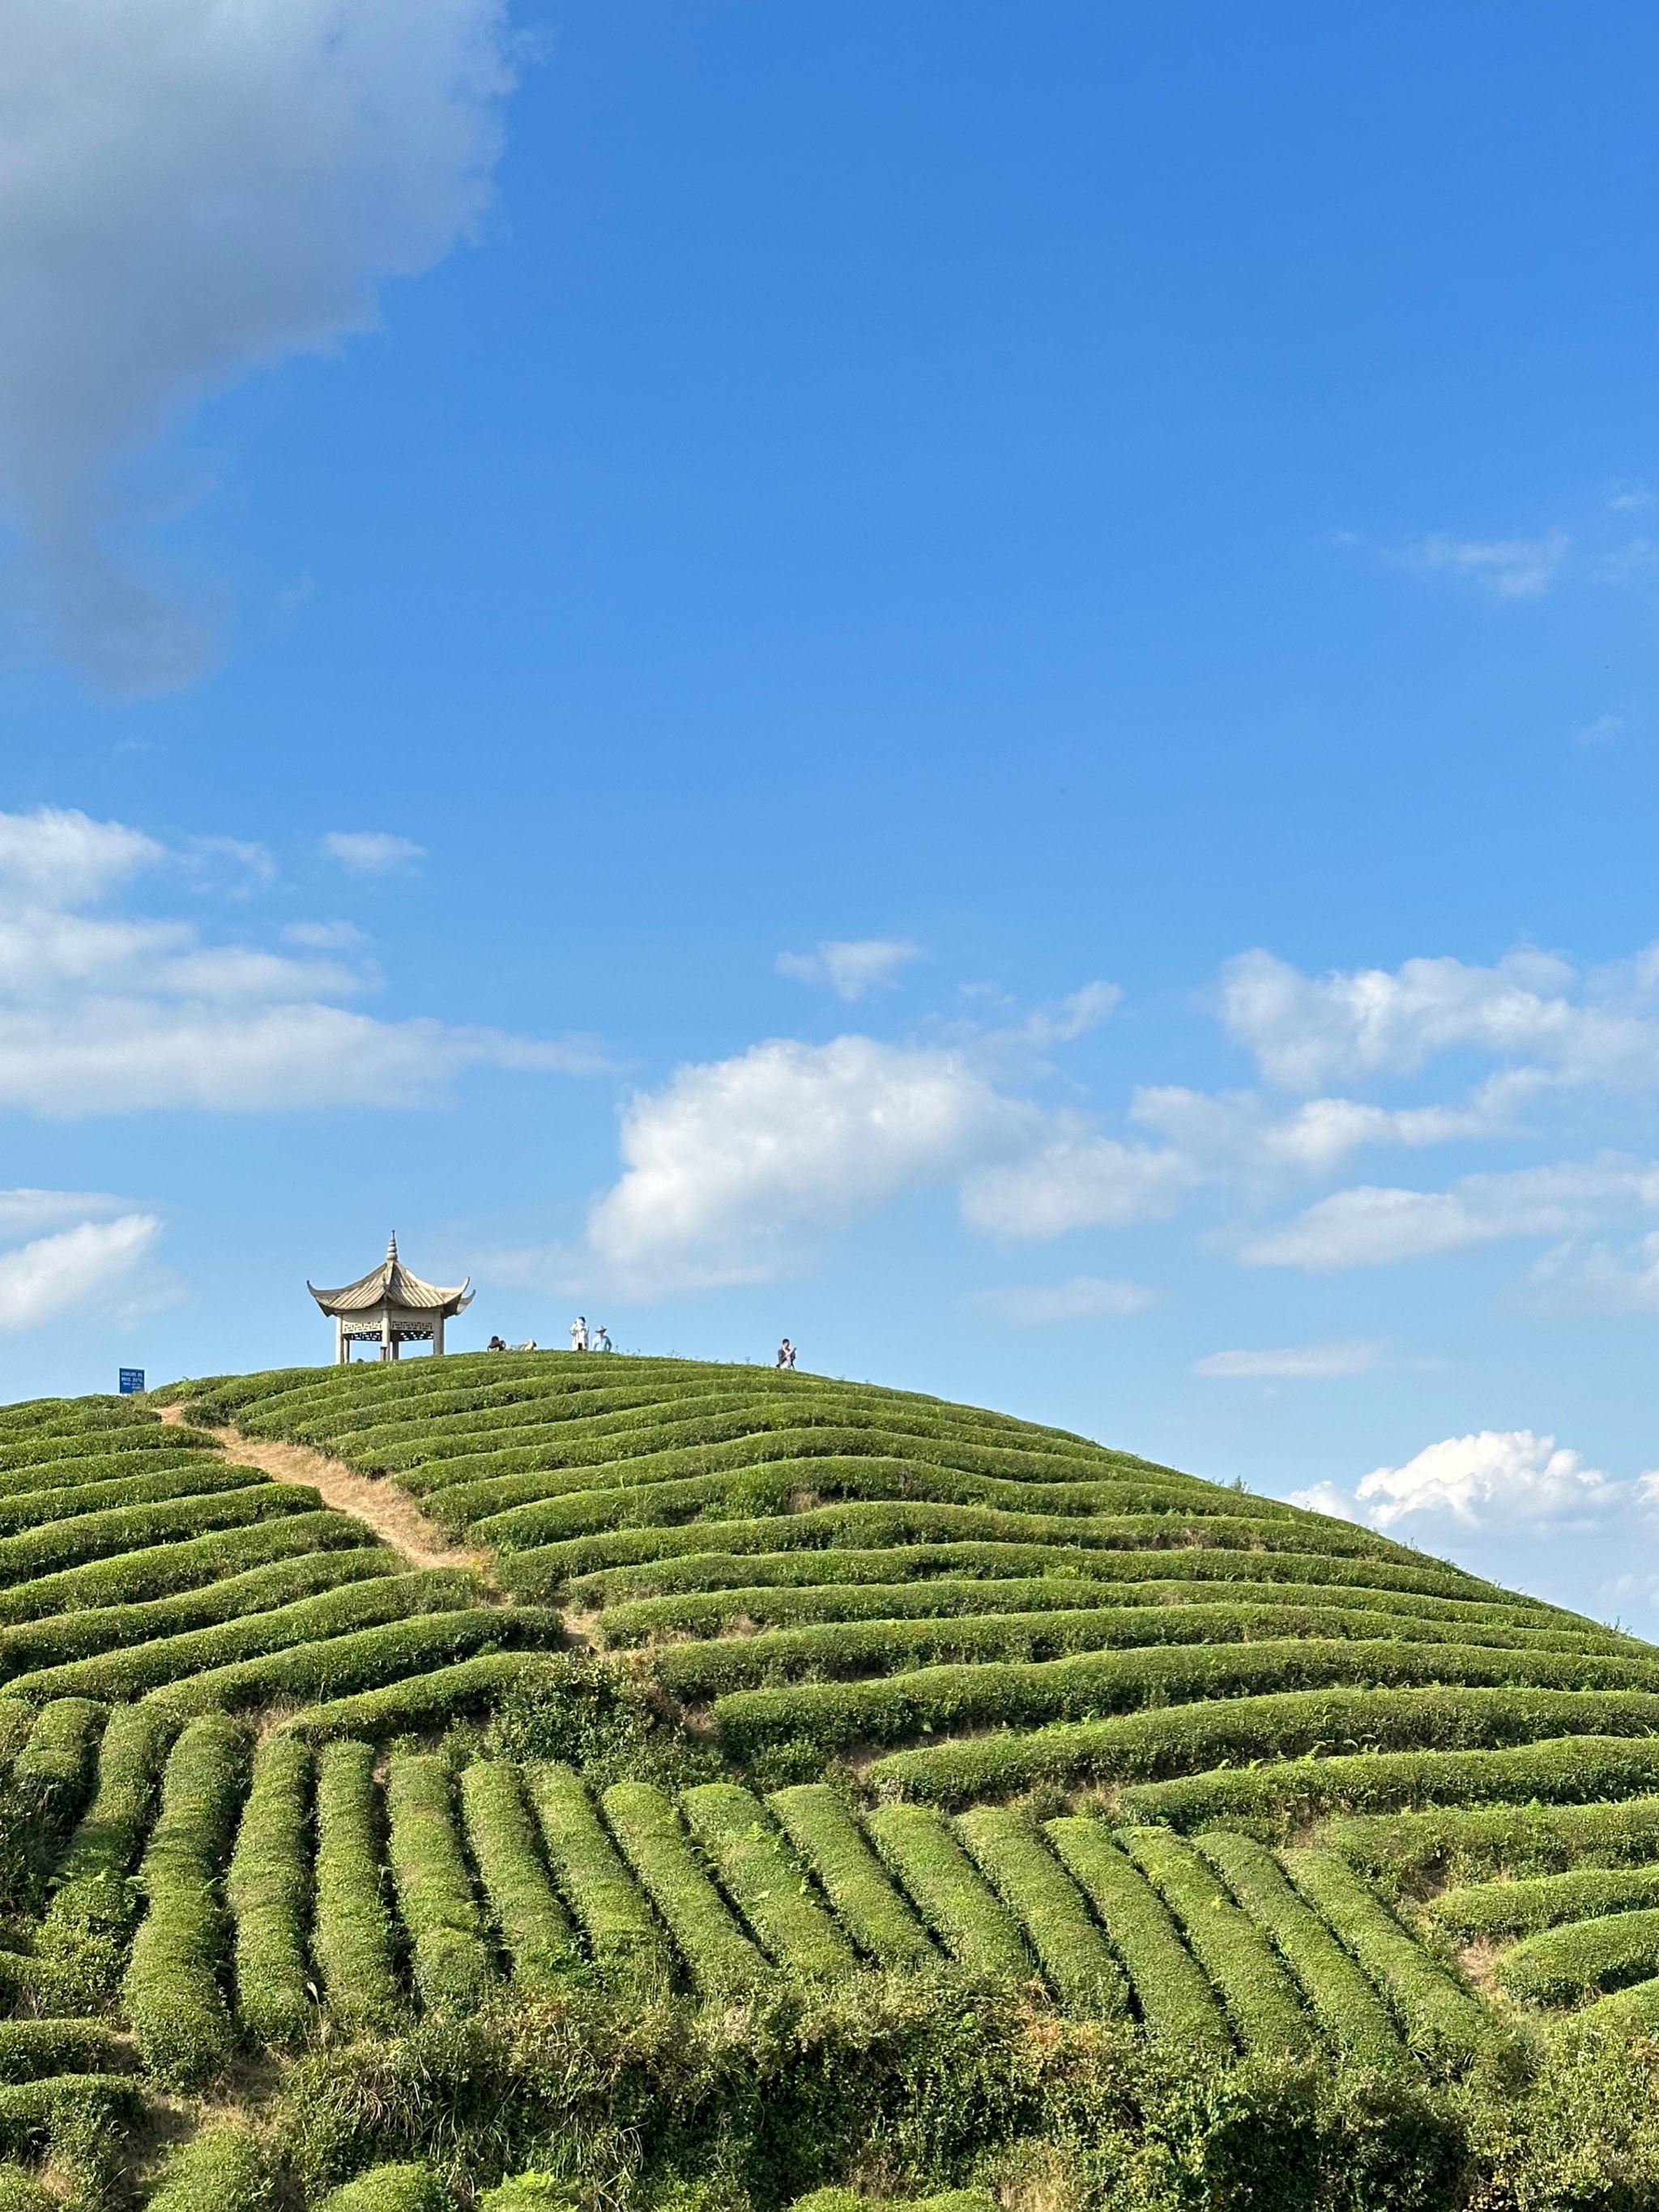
<point>132,1378</point>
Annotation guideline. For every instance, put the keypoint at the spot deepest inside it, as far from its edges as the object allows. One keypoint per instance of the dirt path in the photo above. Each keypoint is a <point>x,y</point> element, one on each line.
<point>393,1516</point>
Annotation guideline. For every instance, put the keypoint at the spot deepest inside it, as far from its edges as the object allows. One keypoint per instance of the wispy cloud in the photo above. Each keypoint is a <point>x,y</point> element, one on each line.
<point>96,1265</point>
<point>194,191</point>
<point>372,852</point>
<point>1085,1298</point>
<point>1294,1363</point>
<point>852,966</point>
<point>1504,567</point>
<point>1605,730</point>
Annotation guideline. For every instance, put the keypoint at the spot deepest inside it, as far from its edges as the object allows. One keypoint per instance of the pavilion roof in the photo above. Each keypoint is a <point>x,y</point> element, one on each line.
<point>391,1283</point>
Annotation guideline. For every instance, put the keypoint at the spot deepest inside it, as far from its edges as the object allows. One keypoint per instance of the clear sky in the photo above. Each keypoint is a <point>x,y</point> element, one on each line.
<point>976,684</point>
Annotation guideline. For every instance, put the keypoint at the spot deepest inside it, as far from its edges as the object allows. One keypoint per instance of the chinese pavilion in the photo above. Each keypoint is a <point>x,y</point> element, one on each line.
<point>389,1306</point>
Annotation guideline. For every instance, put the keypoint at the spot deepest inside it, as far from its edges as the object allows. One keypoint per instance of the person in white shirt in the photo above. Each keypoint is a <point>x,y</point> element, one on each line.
<point>601,1339</point>
<point>579,1334</point>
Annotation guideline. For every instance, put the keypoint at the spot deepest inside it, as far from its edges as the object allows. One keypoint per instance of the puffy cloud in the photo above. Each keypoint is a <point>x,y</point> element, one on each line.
<point>372,852</point>
<point>96,1266</point>
<point>101,1013</point>
<point>188,191</point>
<point>1307,1030</point>
<point>727,1165</point>
<point>1294,1363</point>
<point>1494,1477</point>
<point>1085,1298</point>
<point>1075,1179</point>
<point>852,966</point>
<point>1324,1498</point>
<point>1234,1129</point>
<point>1370,1226</point>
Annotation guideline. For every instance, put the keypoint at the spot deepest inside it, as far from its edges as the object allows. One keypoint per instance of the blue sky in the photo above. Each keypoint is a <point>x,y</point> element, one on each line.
<point>979,687</point>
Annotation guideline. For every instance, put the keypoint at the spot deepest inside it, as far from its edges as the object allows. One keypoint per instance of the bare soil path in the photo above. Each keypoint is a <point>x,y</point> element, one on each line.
<point>394,1515</point>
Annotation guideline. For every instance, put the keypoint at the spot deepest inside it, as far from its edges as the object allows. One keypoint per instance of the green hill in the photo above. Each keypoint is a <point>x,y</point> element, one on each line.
<point>640,1781</point>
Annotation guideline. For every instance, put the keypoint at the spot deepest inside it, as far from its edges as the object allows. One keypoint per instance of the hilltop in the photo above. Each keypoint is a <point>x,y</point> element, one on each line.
<point>486,1773</point>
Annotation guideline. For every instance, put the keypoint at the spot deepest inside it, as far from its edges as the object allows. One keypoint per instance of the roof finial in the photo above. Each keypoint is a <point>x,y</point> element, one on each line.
<point>391,1246</point>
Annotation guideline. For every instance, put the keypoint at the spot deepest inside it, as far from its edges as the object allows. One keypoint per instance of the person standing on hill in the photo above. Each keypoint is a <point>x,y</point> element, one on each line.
<point>602,1339</point>
<point>787,1356</point>
<point>579,1334</point>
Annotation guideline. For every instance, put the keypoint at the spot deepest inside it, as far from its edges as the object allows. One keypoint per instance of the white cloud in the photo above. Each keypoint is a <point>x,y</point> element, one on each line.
<point>727,1165</point>
<point>1605,730</point>
<point>1505,567</point>
<point>1294,1363</point>
<point>23,1210</point>
<point>1599,1280</point>
<point>325,936</point>
<point>1496,1477</point>
<point>852,966</point>
<point>1324,1498</point>
<point>188,191</point>
<point>1085,1298</point>
<point>94,1266</point>
<point>1073,1017</point>
<point>1234,1129</point>
<point>1075,1179</point>
<point>372,852</point>
<point>1307,1030</point>
<point>100,1013</point>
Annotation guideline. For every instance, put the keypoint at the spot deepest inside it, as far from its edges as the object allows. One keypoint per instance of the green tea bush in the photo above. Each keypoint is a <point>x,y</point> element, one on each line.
<point>1561,1966</point>
<point>64,1543</point>
<point>411,2187</point>
<point>223,2168</point>
<point>53,1769</point>
<point>423,1701</point>
<point>949,1892</point>
<point>268,1887</point>
<point>23,2192</point>
<point>201,1478</point>
<point>721,1960</point>
<point>1272,1798</point>
<point>1264,2008</point>
<point>78,2124</point>
<point>1352,2018</point>
<point>170,1993</point>
<point>1490,1840</point>
<point>1441,2022</point>
<point>1177,2002</point>
<point>31,2050</point>
<point>766,1883</point>
<point>1522,1908</point>
<point>133,1672</point>
<point>62,1637</point>
<point>352,1939</point>
<point>831,1843</point>
<point>162,1568</point>
<point>629,1951</point>
<point>81,1945</point>
<point>1075,1958</point>
<point>534,1929</point>
<point>451,1966</point>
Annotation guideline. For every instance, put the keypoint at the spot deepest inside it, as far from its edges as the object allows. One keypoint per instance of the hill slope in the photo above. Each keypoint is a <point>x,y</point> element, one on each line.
<point>763,1691</point>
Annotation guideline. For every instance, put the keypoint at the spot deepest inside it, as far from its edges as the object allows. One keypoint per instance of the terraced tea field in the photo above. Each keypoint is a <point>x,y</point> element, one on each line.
<point>746,1691</point>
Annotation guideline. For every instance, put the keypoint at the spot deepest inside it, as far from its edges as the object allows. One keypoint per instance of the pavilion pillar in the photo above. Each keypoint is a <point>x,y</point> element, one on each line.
<point>437,1336</point>
<point>342,1350</point>
<point>385,1332</point>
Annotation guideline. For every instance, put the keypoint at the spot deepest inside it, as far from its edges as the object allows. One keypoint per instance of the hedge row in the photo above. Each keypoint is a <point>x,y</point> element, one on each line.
<point>224,2167</point>
<point>165,1568</point>
<point>422,1702</point>
<point>47,1451</point>
<point>721,1612</point>
<point>200,1477</point>
<point>628,1949</point>
<point>62,1637</point>
<point>831,1843</point>
<point>53,1477</point>
<point>766,1883</point>
<point>141,1668</point>
<point>1263,2006</point>
<point>344,1665</point>
<point>722,1960</point>
<point>55,1765</point>
<point>1561,1966</point>
<point>1353,2020</point>
<point>1493,1840</point>
<point>268,1887</point>
<point>170,1993</point>
<point>1175,1999</point>
<point>1076,1960</point>
<point>1227,1732</point>
<point>765,1566</point>
<point>352,1939</point>
<point>534,1929</point>
<point>450,1966</point>
<point>31,2050</point>
<point>1272,1798</point>
<point>1440,2022</point>
<point>76,2122</point>
<point>411,2187</point>
<point>81,1942</point>
<point>875,1527</point>
<point>1522,1908</point>
<point>949,1892</point>
<point>63,1544</point>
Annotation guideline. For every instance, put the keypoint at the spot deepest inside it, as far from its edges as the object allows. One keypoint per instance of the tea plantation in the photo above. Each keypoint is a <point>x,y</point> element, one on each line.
<point>786,1786</point>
